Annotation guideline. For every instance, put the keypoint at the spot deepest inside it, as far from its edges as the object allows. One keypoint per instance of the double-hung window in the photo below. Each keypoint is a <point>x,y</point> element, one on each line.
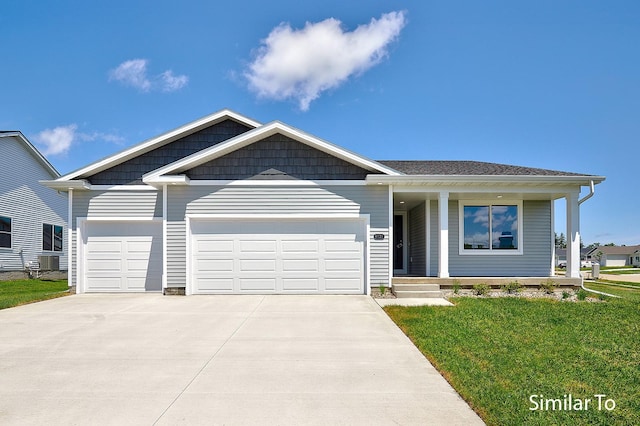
<point>490,228</point>
<point>51,237</point>
<point>5,232</point>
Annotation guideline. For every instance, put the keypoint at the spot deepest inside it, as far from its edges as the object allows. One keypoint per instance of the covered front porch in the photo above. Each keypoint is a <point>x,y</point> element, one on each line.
<point>492,231</point>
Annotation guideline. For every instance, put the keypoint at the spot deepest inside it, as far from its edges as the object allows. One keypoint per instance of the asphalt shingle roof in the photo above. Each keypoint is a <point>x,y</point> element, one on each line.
<point>468,168</point>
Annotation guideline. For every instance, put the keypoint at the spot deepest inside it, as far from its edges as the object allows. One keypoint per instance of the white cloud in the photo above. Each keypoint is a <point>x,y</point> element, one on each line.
<point>171,83</point>
<point>57,140</point>
<point>134,73</point>
<point>60,139</point>
<point>300,64</point>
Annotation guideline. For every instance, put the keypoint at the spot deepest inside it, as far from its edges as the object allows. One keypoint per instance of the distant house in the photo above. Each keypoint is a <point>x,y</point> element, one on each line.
<point>33,218</point>
<point>618,255</point>
<point>635,259</point>
<point>561,256</point>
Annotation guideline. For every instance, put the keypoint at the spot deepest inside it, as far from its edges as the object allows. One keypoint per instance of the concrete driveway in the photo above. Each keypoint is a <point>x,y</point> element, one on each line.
<point>150,359</point>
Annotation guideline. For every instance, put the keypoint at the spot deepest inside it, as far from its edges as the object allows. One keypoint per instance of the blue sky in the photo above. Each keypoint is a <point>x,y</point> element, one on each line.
<point>550,84</point>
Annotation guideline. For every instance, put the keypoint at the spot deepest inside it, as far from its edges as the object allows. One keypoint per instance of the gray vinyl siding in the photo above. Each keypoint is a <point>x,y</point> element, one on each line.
<point>536,244</point>
<point>113,204</point>
<point>29,205</point>
<point>276,200</point>
<point>417,243</point>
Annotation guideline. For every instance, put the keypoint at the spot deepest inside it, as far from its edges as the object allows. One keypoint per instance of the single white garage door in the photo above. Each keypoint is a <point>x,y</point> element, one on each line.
<point>123,256</point>
<point>279,257</point>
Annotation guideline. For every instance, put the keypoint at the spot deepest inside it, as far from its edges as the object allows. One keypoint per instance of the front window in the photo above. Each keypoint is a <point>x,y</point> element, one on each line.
<point>51,237</point>
<point>490,228</point>
<point>5,232</point>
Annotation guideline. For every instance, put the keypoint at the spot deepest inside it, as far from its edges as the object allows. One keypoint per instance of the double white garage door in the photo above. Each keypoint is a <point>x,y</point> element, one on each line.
<point>231,256</point>
<point>295,256</point>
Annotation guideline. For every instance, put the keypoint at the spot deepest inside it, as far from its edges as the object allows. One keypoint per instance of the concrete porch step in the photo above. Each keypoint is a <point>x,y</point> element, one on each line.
<point>416,287</point>
<point>418,294</point>
<point>416,290</point>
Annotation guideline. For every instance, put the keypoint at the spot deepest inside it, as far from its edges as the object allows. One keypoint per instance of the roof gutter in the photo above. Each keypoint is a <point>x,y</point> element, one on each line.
<point>592,191</point>
<point>470,179</point>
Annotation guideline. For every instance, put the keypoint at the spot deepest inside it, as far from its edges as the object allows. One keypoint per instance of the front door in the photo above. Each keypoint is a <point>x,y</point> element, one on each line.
<point>399,243</point>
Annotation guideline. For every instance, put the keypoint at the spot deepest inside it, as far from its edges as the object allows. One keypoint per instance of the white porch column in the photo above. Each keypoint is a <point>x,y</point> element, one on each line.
<point>443,240</point>
<point>573,236</point>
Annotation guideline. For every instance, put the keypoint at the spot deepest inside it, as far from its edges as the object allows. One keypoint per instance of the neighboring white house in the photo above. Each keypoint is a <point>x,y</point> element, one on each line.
<point>636,259</point>
<point>618,255</point>
<point>33,218</point>
<point>227,205</point>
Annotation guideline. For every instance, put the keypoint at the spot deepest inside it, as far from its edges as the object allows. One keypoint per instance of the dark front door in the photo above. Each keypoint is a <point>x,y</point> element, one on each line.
<point>398,242</point>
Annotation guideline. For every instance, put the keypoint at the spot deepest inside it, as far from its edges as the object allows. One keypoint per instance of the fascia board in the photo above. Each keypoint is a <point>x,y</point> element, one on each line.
<point>60,185</point>
<point>483,179</point>
<point>34,151</point>
<point>162,139</point>
<point>260,133</point>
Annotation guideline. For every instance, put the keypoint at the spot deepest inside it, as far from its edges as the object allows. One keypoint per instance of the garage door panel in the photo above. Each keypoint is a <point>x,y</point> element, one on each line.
<point>257,246</point>
<point>106,284</point>
<point>297,265</point>
<point>257,284</point>
<point>341,265</point>
<point>257,265</point>
<point>214,265</point>
<point>300,246</point>
<point>301,284</point>
<point>205,245</point>
<point>304,256</point>
<point>343,284</point>
<point>216,284</point>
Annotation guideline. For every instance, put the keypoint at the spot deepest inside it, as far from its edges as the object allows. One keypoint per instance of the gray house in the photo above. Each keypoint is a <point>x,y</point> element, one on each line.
<point>227,205</point>
<point>33,219</point>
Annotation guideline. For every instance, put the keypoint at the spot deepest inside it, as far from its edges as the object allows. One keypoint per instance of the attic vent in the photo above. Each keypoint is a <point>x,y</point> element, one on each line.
<point>271,174</point>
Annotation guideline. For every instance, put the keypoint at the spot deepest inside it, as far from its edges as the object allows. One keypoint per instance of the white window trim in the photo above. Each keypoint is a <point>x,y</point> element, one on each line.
<point>489,252</point>
<point>52,251</point>
<point>10,234</point>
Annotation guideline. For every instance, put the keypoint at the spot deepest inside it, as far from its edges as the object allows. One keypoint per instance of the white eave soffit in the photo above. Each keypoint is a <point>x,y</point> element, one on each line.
<point>160,140</point>
<point>259,134</point>
<point>483,180</point>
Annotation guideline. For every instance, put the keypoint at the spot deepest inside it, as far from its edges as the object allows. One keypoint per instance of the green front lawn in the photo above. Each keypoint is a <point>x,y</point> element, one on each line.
<point>20,292</point>
<point>499,352</point>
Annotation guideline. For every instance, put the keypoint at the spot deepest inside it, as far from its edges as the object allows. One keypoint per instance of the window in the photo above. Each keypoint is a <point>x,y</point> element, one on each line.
<point>5,232</point>
<point>51,237</point>
<point>490,228</point>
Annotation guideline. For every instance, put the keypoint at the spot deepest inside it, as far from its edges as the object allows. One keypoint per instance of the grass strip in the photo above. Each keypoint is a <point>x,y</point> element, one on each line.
<point>20,292</point>
<point>499,352</point>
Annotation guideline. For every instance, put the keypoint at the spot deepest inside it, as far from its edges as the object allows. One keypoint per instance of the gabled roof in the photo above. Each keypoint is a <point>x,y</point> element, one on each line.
<point>32,150</point>
<point>159,141</point>
<point>618,249</point>
<point>256,135</point>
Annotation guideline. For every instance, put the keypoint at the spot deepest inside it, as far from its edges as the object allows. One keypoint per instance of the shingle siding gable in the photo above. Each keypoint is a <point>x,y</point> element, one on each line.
<point>130,172</point>
<point>278,157</point>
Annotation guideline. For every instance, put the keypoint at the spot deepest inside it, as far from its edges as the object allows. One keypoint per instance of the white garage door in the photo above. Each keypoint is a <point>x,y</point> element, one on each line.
<point>297,257</point>
<point>123,256</point>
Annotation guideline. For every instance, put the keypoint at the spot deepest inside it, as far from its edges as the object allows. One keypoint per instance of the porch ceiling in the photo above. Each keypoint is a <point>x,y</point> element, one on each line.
<point>408,200</point>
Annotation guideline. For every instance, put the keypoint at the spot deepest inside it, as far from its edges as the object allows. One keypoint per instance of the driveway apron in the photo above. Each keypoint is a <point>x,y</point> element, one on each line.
<point>151,359</point>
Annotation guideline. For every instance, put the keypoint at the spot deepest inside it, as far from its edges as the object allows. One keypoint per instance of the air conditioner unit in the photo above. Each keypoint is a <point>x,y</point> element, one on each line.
<point>49,263</point>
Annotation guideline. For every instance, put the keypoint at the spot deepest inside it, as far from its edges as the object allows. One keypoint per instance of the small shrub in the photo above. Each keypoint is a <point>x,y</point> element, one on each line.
<point>383,289</point>
<point>582,294</point>
<point>456,287</point>
<point>480,289</point>
<point>565,294</point>
<point>549,286</point>
<point>512,287</point>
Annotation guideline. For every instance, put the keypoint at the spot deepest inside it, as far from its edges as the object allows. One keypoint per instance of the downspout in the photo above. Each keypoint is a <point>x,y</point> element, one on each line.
<point>592,191</point>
